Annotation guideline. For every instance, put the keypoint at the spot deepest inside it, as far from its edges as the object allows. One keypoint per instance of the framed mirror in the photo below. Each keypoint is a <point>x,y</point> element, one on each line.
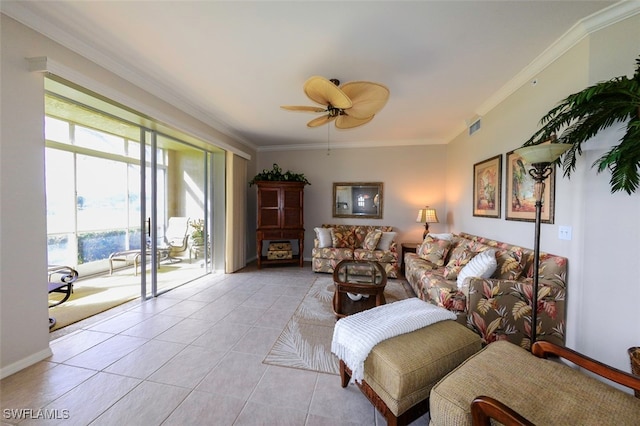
<point>357,199</point>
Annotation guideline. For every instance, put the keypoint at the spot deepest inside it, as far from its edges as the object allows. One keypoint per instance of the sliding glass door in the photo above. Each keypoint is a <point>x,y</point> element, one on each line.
<point>177,194</point>
<point>126,205</point>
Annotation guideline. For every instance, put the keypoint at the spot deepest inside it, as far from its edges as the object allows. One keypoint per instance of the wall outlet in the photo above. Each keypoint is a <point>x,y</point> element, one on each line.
<point>564,232</point>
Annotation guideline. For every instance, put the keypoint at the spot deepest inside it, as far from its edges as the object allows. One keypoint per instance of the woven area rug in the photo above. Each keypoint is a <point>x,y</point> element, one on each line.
<point>305,342</point>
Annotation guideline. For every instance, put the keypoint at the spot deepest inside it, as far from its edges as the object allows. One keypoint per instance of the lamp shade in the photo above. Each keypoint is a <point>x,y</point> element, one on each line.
<point>427,215</point>
<point>542,153</point>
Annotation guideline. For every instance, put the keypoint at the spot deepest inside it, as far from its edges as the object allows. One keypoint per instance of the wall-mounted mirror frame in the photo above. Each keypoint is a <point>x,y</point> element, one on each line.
<point>358,199</point>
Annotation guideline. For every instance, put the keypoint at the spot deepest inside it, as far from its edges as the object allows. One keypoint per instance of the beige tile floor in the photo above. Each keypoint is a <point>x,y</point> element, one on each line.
<point>190,357</point>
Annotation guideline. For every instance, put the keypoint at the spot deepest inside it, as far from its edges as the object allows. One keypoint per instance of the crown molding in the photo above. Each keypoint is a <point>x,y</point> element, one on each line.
<point>583,28</point>
<point>608,16</point>
<point>351,145</point>
<point>43,64</point>
<point>21,13</point>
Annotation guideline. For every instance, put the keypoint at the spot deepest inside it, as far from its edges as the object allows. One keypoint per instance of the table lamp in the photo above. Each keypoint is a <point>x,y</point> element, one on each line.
<point>427,216</point>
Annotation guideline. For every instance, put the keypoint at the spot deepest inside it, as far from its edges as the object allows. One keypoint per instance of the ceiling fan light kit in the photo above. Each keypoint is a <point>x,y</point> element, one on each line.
<point>350,105</point>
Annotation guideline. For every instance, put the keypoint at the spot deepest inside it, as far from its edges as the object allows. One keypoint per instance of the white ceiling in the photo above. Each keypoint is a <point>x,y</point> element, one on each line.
<point>233,64</point>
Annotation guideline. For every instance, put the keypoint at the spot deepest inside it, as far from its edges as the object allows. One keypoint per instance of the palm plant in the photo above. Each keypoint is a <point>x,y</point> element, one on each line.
<point>582,115</point>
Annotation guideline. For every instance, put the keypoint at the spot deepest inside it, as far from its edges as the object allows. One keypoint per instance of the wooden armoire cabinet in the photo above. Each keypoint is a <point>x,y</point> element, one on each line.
<point>280,217</point>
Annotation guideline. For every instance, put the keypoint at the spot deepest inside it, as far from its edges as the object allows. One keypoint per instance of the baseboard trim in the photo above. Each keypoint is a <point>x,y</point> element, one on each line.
<point>25,362</point>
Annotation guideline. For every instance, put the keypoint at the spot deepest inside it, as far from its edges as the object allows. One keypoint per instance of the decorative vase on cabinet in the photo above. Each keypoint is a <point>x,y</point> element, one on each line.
<point>280,217</point>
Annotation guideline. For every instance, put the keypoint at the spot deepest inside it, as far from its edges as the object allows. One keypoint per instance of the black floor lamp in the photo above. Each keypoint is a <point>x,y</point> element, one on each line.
<point>541,158</point>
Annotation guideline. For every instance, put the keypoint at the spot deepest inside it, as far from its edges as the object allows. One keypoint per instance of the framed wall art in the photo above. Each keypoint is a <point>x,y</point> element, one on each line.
<point>357,199</point>
<point>520,201</point>
<point>487,189</point>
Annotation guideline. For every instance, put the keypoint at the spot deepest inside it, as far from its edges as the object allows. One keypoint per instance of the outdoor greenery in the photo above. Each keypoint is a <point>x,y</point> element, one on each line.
<point>99,245</point>
<point>276,174</point>
<point>582,115</point>
<point>197,233</point>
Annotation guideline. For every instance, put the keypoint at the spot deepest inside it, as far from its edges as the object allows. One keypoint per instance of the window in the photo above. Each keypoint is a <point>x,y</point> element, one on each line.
<point>94,173</point>
<point>93,192</point>
<point>93,182</point>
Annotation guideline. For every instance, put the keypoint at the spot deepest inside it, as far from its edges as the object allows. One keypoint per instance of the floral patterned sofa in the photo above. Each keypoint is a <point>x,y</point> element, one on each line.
<point>334,243</point>
<point>497,307</point>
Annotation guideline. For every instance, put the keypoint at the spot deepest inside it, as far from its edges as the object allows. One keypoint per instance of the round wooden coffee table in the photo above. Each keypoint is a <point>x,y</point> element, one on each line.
<point>359,285</point>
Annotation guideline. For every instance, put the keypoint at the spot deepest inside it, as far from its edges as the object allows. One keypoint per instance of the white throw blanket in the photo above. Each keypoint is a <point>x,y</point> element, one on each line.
<point>354,336</point>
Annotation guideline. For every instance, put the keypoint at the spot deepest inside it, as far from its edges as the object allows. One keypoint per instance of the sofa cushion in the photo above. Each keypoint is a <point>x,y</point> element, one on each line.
<point>324,237</point>
<point>434,250</point>
<point>382,256</point>
<point>415,268</point>
<point>460,256</point>
<point>385,240</point>
<point>343,237</point>
<point>482,265</point>
<point>544,391</point>
<point>332,253</point>
<point>372,239</point>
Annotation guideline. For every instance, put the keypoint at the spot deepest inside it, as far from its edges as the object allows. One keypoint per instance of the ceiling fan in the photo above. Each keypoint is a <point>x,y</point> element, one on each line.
<point>350,105</point>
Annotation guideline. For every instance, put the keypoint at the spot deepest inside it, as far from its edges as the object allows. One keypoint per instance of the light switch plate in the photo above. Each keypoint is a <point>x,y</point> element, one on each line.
<point>564,232</point>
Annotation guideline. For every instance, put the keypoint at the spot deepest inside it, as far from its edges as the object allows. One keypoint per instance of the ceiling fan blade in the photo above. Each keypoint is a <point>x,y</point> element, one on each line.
<point>367,98</point>
<point>303,108</point>
<point>320,121</point>
<point>348,122</point>
<point>324,92</point>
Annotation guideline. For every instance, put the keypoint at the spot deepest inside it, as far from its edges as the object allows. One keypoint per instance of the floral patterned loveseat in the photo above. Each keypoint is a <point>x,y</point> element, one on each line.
<point>497,307</point>
<point>334,243</point>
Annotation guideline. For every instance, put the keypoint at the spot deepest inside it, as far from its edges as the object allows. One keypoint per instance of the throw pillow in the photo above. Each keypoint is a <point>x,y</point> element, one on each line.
<point>482,265</point>
<point>446,236</point>
<point>372,239</point>
<point>460,256</point>
<point>342,237</point>
<point>359,233</point>
<point>324,237</point>
<point>477,247</point>
<point>434,250</point>
<point>385,240</point>
<point>510,263</point>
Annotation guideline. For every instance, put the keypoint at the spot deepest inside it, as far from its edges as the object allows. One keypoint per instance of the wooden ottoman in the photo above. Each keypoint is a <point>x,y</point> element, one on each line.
<point>399,372</point>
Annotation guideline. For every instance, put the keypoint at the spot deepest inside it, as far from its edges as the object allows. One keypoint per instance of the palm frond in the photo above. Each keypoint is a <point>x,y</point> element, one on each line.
<point>624,161</point>
<point>581,116</point>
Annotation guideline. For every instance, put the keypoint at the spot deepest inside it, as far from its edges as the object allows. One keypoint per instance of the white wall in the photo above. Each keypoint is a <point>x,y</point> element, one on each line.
<point>604,261</point>
<point>413,176</point>
<point>24,332</point>
<point>610,223</point>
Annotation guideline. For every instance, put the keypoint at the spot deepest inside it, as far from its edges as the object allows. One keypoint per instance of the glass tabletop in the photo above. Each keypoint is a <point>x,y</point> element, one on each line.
<point>361,272</point>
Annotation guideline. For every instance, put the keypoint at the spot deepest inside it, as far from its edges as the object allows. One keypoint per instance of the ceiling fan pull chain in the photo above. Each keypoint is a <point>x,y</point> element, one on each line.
<point>328,141</point>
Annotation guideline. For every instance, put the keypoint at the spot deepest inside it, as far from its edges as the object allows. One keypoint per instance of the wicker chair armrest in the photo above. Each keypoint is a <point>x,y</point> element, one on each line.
<point>543,349</point>
<point>485,408</point>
